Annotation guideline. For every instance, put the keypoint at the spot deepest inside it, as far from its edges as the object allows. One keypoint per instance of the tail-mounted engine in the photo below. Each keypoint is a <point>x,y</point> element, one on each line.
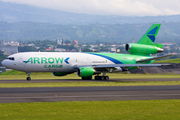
<point>143,49</point>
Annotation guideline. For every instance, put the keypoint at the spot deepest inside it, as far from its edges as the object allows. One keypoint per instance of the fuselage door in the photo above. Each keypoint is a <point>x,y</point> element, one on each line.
<point>22,64</point>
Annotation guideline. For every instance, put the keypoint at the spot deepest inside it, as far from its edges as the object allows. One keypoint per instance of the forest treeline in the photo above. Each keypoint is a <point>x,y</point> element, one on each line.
<point>27,31</point>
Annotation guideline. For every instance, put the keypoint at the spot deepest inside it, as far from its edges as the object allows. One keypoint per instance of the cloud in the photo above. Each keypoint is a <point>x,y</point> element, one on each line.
<point>109,7</point>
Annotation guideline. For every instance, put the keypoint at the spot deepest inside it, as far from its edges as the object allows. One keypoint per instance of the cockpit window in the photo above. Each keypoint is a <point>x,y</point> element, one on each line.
<point>10,58</point>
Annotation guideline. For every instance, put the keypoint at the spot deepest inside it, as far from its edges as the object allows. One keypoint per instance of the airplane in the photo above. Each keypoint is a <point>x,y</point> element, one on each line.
<point>88,64</point>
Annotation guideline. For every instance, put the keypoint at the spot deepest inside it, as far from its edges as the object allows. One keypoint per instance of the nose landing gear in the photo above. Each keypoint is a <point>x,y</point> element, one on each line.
<point>28,78</point>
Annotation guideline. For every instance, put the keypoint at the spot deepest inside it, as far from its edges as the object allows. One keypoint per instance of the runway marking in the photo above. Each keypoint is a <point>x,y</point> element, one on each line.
<point>56,96</point>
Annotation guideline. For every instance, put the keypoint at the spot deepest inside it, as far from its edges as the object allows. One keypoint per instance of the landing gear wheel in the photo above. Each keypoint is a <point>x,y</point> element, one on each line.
<point>83,78</point>
<point>90,78</point>
<point>87,78</point>
<point>28,78</point>
<point>106,77</point>
<point>101,77</point>
<point>97,78</point>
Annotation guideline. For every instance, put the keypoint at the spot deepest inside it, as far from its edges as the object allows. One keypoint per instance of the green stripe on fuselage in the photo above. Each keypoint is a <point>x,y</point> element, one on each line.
<point>123,58</point>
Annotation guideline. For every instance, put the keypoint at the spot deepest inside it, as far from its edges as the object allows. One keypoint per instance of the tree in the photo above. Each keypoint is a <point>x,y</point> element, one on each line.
<point>86,50</point>
<point>2,57</point>
<point>67,41</point>
<point>1,53</point>
<point>26,49</point>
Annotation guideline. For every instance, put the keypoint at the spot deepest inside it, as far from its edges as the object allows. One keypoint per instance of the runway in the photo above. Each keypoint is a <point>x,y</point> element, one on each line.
<point>11,95</point>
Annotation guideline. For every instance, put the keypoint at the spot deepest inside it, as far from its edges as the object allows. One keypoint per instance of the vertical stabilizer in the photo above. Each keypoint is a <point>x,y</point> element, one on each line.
<point>150,36</point>
<point>146,45</point>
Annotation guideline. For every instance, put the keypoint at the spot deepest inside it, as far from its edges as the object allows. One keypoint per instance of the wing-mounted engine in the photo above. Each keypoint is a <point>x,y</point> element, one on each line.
<point>135,48</point>
<point>87,72</point>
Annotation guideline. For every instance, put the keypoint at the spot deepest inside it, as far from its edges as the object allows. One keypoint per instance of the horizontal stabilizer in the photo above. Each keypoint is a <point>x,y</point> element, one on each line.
<point>154,58</point>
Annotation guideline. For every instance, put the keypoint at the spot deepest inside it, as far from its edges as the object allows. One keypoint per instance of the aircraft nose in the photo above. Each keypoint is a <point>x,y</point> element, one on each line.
<point>4,62</point>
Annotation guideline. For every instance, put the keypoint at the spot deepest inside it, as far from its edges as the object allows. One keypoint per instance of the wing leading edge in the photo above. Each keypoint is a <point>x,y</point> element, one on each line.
<point>119,65</point>
<point>127,65</point>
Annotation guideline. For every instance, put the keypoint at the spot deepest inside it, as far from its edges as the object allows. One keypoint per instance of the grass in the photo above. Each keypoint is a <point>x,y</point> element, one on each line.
<point>93,110</point>
<point>14,75</point>
<point>168,61</point>
<point>74,76</point>
<point>88,110</point>
<point>14,72</point>
<point>81,84</point>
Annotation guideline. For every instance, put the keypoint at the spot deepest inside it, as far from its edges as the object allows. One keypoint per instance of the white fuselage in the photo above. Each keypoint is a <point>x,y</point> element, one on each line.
<point>51,61</point>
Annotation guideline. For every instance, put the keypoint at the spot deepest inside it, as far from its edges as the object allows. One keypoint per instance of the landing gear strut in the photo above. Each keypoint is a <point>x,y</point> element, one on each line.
<point>28,78</point>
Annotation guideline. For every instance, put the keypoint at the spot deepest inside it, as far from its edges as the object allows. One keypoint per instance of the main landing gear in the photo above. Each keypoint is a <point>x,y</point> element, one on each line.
<point>28,78</point>
<point>96,78</point>
<point>87,78</point>
<point>104,77</point>
<point>101,77</point>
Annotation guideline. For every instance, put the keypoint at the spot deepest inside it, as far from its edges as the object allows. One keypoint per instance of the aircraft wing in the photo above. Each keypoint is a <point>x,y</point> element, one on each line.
<point>119,65</point>
<point>154,58</point>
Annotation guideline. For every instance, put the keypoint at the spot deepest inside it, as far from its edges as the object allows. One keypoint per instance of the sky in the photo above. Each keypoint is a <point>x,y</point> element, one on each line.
<point>109,7</point>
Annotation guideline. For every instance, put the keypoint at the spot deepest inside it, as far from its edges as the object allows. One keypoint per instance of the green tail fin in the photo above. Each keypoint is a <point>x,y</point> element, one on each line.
<point>150,36</point>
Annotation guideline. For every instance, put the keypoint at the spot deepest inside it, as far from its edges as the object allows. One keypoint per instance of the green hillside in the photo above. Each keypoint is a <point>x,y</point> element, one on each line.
<point>169,61</point>
<point>28,31</point>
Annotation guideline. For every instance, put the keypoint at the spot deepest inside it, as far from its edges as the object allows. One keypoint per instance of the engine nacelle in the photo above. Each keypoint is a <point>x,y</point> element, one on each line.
<point>142,48</point>
<point>60,73</point>
<point>87,72</point>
